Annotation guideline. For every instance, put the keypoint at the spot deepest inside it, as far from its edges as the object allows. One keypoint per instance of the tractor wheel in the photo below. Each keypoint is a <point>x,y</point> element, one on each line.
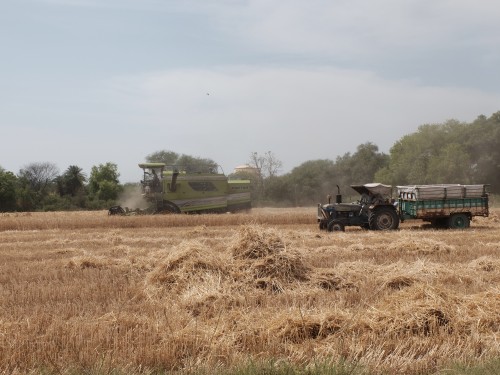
<point>165,208</point>
<point>384,219</point>
<point>458,221</point>
<point>335,226</point>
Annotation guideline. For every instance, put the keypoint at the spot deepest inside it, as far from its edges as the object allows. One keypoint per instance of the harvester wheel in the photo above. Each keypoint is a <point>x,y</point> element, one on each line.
<point>384,219</point>
<point>165,208</point>
<point>335,226</point>
<point>459,221</point>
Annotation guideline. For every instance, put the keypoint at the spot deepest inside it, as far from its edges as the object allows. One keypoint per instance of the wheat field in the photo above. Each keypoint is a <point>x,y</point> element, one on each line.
<point>86,292</point>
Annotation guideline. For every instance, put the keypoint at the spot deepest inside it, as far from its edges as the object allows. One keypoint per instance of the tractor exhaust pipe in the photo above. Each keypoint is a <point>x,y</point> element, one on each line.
<point>338,197</point>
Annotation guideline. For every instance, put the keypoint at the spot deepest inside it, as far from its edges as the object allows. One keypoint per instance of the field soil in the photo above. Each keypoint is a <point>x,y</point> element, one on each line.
<point>88,292</point>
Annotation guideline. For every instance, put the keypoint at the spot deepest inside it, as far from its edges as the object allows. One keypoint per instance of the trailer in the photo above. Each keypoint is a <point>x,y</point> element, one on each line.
<point>443,205</point>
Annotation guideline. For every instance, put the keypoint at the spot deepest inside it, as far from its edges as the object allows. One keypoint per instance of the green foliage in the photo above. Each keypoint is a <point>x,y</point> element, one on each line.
<point>360,168</point>
<point>36,181</point>
<point>311,182</point>
<point>190,163</point>
<point>491,367</point>
<point>8,185</point>
<point>71,182</point>
<point>103,182</point>
<point>452,152</point>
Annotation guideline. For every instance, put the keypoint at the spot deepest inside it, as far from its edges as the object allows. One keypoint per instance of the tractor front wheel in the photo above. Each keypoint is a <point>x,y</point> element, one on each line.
<point>335,226</point>
<point>384,219</point>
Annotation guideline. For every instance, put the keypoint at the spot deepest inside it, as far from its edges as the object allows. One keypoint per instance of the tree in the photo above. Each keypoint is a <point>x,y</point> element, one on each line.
<point>72,181</point>
<point>103,181</point>
<point>452,152</point>
<point>187,162</point>
<point>360,167</point>
<point>312,181</point>
<point>163,156</point>
<point>8,184</point>
<point>267,166</point>
<point>37,180</point>
<point>451,165</point>
<point>39,176</point>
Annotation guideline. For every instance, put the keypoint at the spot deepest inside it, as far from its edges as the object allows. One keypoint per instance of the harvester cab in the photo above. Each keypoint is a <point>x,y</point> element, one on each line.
<point>374,210</point>
<point>152,182</point>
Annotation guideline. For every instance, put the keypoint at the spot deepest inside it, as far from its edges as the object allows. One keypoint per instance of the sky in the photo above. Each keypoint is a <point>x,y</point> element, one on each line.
<point>87,82</point>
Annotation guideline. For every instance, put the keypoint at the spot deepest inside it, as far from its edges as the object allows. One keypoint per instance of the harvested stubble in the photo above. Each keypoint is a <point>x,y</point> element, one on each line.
<point>83,294</point>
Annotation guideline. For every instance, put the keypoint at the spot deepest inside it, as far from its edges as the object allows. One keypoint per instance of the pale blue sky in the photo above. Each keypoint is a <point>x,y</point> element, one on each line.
<point>85,82</point>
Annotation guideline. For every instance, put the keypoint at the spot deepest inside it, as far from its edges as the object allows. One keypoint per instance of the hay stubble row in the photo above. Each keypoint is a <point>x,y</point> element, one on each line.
<point>87,291</point>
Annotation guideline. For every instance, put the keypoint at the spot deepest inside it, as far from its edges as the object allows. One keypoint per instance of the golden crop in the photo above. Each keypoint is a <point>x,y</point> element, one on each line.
<point>85,291</point>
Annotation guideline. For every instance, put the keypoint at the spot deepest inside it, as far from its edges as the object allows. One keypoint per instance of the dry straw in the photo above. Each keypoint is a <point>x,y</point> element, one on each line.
<point>86,293</point>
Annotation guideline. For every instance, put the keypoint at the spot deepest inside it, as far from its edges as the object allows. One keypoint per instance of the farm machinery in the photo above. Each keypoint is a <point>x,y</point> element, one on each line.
<point>443,206</point>
<point>172,189</point>
<point>374,210</point>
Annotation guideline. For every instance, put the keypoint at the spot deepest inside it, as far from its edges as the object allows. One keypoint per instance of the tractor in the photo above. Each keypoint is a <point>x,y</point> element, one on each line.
<point>374,210</point>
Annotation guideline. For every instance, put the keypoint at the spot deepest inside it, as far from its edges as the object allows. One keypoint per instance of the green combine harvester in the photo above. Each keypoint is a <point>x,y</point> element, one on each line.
<point>172,189</point>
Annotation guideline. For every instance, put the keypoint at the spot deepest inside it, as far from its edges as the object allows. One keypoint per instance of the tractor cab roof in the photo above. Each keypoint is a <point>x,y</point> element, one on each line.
<point>374,188</point>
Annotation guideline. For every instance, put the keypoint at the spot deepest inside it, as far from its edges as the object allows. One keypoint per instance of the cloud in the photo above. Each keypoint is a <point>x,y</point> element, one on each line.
<point>305,80</point>
<point>361,27</point>
<point>298,114</point>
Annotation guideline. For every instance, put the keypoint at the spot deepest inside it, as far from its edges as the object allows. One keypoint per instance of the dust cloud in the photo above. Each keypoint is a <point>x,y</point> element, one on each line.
<point>132,198</point>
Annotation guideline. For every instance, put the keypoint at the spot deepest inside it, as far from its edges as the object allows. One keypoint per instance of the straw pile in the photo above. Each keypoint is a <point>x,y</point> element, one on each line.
<point>188,263</point>
<point>262,255</point>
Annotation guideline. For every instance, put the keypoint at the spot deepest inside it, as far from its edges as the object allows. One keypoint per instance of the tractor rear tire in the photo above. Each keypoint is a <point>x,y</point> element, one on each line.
<point>335,226</point>
<point>459,221</point>
<point>384,218</point>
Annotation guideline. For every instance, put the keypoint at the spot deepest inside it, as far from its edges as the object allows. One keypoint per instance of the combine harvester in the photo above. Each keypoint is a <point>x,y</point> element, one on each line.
<point>170,189</point>
<point>444,206</point>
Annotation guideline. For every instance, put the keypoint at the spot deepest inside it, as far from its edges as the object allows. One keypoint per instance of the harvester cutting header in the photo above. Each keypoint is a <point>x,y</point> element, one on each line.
<point>187,189</point>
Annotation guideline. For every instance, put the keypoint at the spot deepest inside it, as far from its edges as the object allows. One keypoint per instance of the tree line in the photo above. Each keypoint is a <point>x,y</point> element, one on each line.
<point>40,186</point>
<point>450,152</point>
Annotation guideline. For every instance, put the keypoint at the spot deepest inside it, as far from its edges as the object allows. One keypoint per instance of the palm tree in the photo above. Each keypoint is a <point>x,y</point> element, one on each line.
<point>73,180</point>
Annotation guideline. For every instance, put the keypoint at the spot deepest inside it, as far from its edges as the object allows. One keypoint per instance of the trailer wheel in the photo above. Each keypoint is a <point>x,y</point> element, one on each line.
<point>335,226</point>
<point>459,221</point>
<point>384,219</point>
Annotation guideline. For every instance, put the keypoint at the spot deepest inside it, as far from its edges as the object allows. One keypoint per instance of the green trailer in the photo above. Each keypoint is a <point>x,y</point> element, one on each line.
<point>443,205</point>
